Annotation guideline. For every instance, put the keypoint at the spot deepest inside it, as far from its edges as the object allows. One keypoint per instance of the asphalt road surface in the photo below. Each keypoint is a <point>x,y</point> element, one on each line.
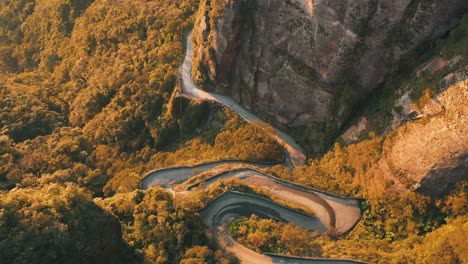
<point>295,154</point>
<point>331,211</point>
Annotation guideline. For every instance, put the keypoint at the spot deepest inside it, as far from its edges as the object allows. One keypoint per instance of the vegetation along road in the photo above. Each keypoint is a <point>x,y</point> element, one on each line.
<point>330,212</point>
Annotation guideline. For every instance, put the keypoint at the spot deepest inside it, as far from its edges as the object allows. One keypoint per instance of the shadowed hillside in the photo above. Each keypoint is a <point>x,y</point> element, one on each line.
<point>88,107</point>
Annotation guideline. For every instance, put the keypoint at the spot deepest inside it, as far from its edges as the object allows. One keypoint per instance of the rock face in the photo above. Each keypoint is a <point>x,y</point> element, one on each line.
<point>429,152</point>
<point>292,60</point>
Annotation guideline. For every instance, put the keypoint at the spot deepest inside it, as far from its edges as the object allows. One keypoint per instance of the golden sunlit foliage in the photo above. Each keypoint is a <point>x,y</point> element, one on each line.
<point>443,245</point>
<point>267,235</point>
<point>85,89</point>
<point>58,224</point>
<point>392,218</point>
<point>98,109</point>
<point>163,229</point>
<point>241,140</point>
<point>77,75</point>
<point>85,111</point>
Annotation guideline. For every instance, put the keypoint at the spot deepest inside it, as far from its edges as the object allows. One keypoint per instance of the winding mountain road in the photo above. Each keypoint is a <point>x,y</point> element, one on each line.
<point>230,205</point>
<point>332,212</point>
<point>295,154</point>
<point>167,177</point>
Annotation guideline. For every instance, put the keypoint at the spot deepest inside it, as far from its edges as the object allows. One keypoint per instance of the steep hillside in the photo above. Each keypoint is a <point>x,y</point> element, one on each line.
<point>423,113</point>
<point>430,154</point>
<point>392,67</point>
<point>405,154</point>
<point>59,224</point>
<point>86,108</point>
<point>310,63</point>
<point>376,91</point>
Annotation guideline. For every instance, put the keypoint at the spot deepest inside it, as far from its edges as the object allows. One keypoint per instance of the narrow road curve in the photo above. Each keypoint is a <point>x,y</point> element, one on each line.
<point>294,153</point>
<point>230,205</point>
<point>167,177</point>
<point>336,213</point>
<point>332,211</point>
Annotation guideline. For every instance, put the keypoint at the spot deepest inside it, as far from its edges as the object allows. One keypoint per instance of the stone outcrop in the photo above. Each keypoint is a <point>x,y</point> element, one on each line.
<point>292,60</point>
<point>430,153</point>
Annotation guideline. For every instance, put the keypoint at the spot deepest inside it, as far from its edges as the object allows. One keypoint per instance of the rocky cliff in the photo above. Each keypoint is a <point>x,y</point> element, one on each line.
<point>308,61</point>
<point>429,153</point>
<point>313,63</point>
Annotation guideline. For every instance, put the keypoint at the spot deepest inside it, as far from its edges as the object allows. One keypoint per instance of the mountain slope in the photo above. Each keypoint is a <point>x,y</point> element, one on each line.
<point>309,64</point>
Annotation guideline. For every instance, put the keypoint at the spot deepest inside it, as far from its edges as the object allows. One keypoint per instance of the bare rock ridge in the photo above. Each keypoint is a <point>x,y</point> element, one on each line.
<point>426,149</point>
<point>430,154</point>
<point>291,60</point>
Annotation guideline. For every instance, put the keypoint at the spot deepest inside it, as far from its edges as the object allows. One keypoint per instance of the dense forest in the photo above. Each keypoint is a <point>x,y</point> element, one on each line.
<point>267,235</point>
<point>86,109</point>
